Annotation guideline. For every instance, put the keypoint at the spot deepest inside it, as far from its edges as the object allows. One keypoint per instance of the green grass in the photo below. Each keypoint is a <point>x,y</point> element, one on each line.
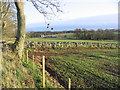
<point>88,68</point>
<point>18,73</point>
<point>67,40</point>
<point>14,74</point>
<point>115,33</point>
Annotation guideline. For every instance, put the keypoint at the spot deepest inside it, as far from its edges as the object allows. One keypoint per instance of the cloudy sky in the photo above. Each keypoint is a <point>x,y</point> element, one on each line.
<point>83,10</point>
<point>73,9</point>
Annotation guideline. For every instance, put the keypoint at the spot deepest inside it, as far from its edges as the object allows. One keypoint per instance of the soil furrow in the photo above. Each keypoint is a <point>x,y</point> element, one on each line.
<point>50,78</point>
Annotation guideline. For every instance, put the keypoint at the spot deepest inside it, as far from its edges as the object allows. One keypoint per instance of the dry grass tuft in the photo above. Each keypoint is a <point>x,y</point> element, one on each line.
<point>14,74</point>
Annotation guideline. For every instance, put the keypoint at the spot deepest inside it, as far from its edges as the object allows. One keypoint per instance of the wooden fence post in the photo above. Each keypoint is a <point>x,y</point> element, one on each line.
<point>43,71</point>
<point>27,56</point>
<point>23,59</point>
<point>23,56</point>
<point>69,85</point>
<point>33,63</point>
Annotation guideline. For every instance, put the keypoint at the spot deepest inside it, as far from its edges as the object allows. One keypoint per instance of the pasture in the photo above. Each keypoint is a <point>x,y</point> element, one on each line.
<point>68,40</point>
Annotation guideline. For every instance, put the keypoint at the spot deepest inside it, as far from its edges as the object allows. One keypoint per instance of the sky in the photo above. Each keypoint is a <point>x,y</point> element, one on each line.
<point>90,14</point>
<point>73,9</point>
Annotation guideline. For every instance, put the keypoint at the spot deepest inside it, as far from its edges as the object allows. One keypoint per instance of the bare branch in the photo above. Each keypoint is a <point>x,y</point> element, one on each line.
<point>47,7</point>
<point>5,12</point>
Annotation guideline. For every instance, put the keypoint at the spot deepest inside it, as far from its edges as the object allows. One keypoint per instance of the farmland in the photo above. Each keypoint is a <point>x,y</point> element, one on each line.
<point>50,51</point>
<point>87,68</point>
<point>19,74</point>
<point>69,40</point>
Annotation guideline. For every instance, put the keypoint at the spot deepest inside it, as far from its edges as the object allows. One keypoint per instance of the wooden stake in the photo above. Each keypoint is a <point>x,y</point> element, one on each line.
<point>23,56</point>
<point>23,59</point>
<point>23,69</point>
<point>69,86</point>
<point>43,71</point>
<point>33,63</point>
<point>27,56</point>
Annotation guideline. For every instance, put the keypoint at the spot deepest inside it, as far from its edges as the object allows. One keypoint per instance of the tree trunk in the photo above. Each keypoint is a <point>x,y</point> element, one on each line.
<point>20,38</point>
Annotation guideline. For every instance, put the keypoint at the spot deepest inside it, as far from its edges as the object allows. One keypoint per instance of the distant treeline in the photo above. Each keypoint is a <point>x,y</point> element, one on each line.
<point>96,35</point>
<point>84,34</point>
<point>38,34</point>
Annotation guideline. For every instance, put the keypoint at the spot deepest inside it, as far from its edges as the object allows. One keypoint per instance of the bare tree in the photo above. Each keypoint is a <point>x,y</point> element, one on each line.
<point>45,7</point>
<point>4,12</point>
<point>8,20</point>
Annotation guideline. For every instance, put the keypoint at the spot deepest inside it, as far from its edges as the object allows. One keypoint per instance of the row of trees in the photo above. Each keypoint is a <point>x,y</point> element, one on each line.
<point>95,35</point>
<point>9,20</point>
<point>33,34</point>
<point>108,34</point>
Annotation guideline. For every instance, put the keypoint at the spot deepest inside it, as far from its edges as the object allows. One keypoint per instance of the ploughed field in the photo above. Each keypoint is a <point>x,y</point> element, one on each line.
<point>87,67</point>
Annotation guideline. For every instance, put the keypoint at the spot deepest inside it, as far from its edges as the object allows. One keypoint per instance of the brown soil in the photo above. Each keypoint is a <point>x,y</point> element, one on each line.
<point>74,48</point>
<point>49,69</point>
<point>44,52</point>
<point>47,54</point>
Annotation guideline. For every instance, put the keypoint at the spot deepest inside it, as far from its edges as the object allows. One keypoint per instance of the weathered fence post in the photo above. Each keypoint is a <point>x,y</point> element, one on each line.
<point>23,70</point>
<point>33,63</point>
<point>43,71</point>
<point>27,56</point>
<point>69,85</point>
<point>23,56</point>
<point>23,59</point>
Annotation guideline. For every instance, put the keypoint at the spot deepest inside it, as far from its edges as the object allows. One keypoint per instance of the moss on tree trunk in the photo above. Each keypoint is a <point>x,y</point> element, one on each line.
<point>20,38</point>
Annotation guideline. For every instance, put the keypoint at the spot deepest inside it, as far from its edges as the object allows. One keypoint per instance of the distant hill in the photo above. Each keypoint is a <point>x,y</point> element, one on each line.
<point>95,22</point>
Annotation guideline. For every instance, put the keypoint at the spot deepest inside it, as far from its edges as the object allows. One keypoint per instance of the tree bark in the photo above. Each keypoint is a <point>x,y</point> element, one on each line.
<point>20,38</point>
